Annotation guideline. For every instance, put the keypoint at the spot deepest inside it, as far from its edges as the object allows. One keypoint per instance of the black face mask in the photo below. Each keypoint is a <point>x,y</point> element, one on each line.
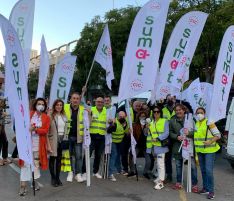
<point>122,120</point>
<point>170,103</point>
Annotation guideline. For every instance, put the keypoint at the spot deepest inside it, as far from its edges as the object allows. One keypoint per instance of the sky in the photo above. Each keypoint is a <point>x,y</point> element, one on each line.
<point>61,21</point>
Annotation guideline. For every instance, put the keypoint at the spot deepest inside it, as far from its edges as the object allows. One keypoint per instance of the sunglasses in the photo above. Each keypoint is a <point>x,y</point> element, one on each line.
<point>156,111</point>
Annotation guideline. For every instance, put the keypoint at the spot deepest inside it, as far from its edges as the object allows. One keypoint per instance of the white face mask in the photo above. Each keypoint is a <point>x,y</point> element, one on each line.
<point>40,108</point>
<point>142,122</point>
<point>200,117</point>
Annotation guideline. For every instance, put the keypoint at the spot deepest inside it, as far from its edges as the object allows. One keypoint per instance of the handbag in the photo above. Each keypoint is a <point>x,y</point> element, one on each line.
<point>65,142</point>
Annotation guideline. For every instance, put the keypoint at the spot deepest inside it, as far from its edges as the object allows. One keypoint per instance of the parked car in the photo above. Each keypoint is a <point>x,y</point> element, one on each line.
<point>230,130</point>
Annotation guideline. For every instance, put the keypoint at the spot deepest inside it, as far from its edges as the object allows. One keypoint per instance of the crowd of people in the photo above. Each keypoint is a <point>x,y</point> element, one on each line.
<point>159,130</point>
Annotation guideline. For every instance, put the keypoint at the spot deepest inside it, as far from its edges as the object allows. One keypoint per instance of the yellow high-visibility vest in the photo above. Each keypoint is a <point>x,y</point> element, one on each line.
<point>156,129</point>
<point>66,162</point>
<point>98,123</point>
<point>166,113</point>
<point>118,135</point>
<point>67,110</point>
<point>200,137</point>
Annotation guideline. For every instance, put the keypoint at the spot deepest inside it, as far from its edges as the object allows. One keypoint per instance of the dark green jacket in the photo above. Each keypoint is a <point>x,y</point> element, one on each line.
<point>175,125</point>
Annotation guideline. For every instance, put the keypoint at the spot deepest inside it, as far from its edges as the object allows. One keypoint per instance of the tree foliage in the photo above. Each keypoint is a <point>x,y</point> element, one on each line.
<point>221,16</point>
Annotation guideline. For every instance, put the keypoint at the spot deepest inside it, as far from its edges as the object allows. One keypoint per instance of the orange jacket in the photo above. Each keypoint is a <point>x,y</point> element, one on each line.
<point>42,132</point>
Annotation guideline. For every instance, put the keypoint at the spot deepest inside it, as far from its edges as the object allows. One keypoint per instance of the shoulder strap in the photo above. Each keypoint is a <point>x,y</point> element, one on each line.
<point>55,124</point>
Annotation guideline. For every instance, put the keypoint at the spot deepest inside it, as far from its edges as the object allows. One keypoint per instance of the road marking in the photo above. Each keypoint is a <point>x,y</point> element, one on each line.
<point>182,194</point>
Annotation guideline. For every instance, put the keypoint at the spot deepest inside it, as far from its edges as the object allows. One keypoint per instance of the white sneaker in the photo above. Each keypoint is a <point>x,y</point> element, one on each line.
<point>97,175</point>
<point>84,177</point>
<point>158,186</point>
<point>70,177</point>
<point>79,178</point>
<point>112,177</point>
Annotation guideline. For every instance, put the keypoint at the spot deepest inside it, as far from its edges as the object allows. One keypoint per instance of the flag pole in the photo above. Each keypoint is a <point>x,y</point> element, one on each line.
<point>33,183</point>
<point>127,107</point>
<point>87,80</point>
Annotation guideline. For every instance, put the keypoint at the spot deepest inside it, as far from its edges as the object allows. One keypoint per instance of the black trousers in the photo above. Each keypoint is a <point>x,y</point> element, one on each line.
<point>124,152</point>
<point>15,152</point>
<point>55,163</point>
<point>3,143</point>
<point>97,145</point>
<point>168,163</point>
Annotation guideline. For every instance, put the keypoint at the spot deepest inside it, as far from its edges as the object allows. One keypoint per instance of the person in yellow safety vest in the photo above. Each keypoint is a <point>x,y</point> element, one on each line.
<point>206,146</point>
<point>168,112</point>
<point>74,113</point>
<point>118,128</point>
<point>97,133</point>
<point>158,131</point>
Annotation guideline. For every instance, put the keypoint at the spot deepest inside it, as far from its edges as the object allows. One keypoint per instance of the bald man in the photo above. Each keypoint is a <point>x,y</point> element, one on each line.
<point>118,128</point>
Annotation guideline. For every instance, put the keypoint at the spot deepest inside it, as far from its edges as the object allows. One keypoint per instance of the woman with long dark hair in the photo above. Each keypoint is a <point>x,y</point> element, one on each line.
<point>56,135</point>
<point>159,132</point>
<point>40,124</point>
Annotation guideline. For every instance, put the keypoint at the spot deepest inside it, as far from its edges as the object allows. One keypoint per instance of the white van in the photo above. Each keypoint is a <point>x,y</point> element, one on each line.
<point>230,128</point>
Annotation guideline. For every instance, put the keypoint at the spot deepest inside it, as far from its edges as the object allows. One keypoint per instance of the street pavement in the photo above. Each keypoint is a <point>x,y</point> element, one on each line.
<point>124,189</point>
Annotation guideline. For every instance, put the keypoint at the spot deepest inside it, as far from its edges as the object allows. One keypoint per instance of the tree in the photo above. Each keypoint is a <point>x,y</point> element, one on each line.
<point>120,22</point>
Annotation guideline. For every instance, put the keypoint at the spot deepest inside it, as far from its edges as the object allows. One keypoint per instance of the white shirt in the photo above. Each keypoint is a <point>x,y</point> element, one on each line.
<point>36,121</point>
<point>61,125</point>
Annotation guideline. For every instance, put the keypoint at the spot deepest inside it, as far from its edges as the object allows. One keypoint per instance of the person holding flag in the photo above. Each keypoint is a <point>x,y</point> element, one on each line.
<point>177,133</point>
<point>74,113</point>
<point>97,133</point>
<point>40,124</point>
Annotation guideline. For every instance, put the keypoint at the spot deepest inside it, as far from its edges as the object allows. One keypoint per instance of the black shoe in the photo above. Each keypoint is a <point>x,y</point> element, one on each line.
<point>54,183</point>
<point>168,179</point>
<point>131,174</point>
<point>59,183</point>
<point>146,175</point>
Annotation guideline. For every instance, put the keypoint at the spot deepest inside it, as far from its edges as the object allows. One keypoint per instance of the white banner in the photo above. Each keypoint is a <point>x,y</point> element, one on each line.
<point>22,17</point>
<point>223,77</point>
<point>143,49</point>
<point>205,100</point>
<point>104,56</point>
<point>193,94</point>
<point>62,78</point>
<point>17,89</point>
<point>133,141</point>
<point>187,147</point>
<point>181,48</point>
<point>163,89</point>
<point>87,139</point>
<point>44,69</point>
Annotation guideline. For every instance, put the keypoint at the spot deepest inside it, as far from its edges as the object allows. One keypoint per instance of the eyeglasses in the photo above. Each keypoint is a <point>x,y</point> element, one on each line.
<point>156,111</point>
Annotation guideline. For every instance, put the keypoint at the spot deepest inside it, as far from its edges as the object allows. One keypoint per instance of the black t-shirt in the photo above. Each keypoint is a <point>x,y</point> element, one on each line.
<point>73,129</point>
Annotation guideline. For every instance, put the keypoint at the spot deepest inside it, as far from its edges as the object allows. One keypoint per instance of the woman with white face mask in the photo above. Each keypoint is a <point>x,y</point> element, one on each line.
<point>40,124</point>
<point>206,147</point>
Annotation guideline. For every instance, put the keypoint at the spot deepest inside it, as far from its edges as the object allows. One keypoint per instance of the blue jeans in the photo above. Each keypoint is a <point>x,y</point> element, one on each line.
<point>76,150</point>
<point>179,163</point>
<point>206,162</point>
<point>115,163</point>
